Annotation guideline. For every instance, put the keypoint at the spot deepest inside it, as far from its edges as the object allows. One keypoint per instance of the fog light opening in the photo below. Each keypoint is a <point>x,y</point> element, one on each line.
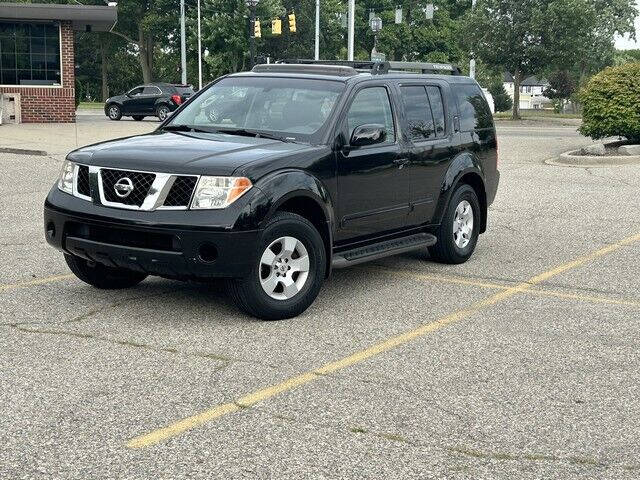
<point>208,252</point>
<point>51,230</point>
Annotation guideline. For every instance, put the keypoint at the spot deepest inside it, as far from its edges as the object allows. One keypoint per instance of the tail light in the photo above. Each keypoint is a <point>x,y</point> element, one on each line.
<point>177,99</point>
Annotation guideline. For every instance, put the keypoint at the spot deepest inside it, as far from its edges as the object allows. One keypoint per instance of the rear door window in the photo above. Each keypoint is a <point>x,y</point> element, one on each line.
<point>418,113</point>
<point>151,90</point>
<point>437,109</point>
<point>474,110</point>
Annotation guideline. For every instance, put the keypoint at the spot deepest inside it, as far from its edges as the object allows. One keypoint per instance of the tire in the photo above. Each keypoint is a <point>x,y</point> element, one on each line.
<point>162,112</point>
<point>457,237</point>
<point>114,112</point>
<point>101,276</point>
<point>249,294</point>
<point>138,118</point>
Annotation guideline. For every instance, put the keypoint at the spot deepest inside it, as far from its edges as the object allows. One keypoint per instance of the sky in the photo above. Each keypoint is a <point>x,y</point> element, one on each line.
<point>626,43</point>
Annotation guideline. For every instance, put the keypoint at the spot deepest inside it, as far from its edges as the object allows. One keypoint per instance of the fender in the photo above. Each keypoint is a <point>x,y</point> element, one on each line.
<point>281,186</point>
<point>463,164</point>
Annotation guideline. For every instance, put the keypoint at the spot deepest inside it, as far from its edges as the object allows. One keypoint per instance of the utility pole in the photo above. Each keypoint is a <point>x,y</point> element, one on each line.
<point>252,4</point>
<point>183,44</point>
<point>199,51</point>
<point>472,62</point>
<point>352,12</point>
<point>317,49</point>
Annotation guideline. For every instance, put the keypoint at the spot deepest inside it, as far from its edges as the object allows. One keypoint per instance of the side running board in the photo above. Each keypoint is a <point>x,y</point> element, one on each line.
<point>382,249</point>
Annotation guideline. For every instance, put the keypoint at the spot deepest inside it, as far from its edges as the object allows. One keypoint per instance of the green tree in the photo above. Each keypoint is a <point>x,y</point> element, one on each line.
<point>530,36</point>
<point>560,90</point>
<point>501,98</point>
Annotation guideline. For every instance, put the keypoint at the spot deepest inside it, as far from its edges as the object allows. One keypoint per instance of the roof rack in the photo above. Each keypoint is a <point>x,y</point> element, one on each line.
<point>350,68</point>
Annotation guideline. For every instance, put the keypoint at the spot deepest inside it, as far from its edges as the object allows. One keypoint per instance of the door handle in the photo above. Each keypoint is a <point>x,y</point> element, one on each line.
<point>401,162</point>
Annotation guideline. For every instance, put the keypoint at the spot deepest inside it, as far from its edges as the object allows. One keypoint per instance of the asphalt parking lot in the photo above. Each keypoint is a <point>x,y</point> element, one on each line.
<point>521,364</point>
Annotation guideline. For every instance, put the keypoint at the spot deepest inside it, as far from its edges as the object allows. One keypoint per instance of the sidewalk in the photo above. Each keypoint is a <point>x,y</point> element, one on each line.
<point>58,139</point>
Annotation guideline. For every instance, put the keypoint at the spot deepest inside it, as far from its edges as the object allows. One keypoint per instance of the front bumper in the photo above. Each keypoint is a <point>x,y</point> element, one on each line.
<point>174,244</point>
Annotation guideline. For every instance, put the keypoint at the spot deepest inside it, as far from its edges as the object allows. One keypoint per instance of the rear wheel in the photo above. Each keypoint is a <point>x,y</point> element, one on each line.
<point>101,276</point>
<point>114,112</point>
<point>162,112</point>
<point>460,227</point>
<point>138,118</point>
<point>289,269</point>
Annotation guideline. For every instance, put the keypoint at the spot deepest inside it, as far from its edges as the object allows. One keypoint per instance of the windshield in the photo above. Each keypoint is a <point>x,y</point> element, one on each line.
<point>290,108</point>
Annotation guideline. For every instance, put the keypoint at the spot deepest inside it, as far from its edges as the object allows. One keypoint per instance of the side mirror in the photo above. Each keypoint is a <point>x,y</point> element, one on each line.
<point>369,134</point>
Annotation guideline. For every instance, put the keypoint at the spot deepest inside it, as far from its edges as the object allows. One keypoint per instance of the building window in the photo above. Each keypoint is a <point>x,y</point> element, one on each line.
<point>29,53</point>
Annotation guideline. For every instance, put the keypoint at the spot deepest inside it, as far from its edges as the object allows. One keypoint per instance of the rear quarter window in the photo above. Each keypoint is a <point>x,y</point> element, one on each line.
<point>474,110</point>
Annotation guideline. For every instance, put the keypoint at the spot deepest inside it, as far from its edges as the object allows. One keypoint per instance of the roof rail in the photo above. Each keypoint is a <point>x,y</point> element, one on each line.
<point>320,69</point>
<point>379,68</point>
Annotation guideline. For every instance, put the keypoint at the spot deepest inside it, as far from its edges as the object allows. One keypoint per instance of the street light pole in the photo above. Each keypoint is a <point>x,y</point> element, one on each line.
<point>472,62</point>
<point>199,51</point>
<point>183,44</point>
<point>317,49</point>
<point>252,24</point>
<point>352,12</point>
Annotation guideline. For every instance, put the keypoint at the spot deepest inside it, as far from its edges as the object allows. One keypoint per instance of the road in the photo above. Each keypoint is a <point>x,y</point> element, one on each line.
<point>522,363</point>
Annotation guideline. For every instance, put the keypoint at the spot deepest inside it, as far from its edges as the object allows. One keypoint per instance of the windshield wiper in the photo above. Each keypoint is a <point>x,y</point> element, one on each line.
<point>252,133</point>
<point>188,128</point>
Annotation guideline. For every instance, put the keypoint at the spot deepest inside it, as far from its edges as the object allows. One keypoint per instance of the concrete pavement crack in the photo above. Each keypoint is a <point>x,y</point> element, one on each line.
<point>576,459</point>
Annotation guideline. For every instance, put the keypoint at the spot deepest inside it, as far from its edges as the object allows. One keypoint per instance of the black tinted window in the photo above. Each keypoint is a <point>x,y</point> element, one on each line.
<point>474,110</point>
<point>151,91</point>
<point>371,105</point>
<point>418,113</point>
<point>437,109</point>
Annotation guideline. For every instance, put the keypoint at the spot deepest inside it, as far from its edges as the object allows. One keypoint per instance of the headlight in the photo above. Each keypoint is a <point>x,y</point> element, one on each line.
<point>219,192</point>
<point>65,182</point>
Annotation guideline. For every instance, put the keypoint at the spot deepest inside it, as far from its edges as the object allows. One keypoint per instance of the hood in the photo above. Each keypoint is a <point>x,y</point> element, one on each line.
<point>184,152</point>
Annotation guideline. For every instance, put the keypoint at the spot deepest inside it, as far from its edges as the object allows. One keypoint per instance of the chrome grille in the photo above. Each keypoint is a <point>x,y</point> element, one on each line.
<point>151,190</point>
<point>141,184</point>
<point>181,191</point>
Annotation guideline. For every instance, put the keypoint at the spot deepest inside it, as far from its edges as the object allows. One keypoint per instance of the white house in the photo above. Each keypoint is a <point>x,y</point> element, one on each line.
<point>531,91</point>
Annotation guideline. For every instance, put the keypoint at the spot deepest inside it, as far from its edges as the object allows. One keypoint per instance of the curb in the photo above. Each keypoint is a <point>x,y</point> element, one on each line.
<point>23,151</point>
<point>570,159</point>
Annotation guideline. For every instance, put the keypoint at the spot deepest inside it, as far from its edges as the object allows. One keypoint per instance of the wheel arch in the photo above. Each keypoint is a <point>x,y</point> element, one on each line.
<point>298,192</point>
<point>465,169</point>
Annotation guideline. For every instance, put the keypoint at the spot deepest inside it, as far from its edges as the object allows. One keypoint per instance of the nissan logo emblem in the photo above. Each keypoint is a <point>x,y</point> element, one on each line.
<point>123,187</point>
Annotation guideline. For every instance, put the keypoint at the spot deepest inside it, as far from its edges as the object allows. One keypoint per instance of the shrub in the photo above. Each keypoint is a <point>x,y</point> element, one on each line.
<point>611,103</point>
<point>501,98</point>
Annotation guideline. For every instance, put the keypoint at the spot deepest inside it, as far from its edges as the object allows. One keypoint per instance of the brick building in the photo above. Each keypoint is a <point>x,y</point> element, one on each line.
<point>37,68</point>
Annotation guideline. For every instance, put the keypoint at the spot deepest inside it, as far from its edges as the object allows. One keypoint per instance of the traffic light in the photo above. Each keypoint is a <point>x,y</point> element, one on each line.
<point>276,27</point>
<point>292,22</point>
<point>256,29</point>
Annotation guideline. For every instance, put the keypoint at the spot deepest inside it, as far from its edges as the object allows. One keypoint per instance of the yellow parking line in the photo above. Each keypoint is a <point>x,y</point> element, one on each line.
<point>497,286</point>
<point>189,423</point>
<point>39,281</point>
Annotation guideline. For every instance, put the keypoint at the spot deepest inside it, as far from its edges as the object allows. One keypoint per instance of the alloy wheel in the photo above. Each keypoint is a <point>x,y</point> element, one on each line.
<point>463,224</point>
<point>284,268</point>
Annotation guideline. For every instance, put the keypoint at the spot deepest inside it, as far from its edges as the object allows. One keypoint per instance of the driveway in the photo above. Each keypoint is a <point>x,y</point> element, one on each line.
<point>522,363</point>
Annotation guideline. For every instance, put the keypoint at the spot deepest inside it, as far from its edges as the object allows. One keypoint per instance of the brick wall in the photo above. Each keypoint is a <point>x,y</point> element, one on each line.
<point>51,104</point>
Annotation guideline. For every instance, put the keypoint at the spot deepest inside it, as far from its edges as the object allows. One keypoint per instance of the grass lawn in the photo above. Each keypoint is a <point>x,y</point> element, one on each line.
<point>91,106</point>
<point>537,115</point>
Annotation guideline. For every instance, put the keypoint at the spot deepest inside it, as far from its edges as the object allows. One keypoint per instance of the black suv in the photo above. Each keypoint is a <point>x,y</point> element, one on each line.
<point>273,177</point>
<point>151,100</point>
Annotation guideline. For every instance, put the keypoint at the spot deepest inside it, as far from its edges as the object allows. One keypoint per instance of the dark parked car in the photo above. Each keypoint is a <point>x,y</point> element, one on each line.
<point>151,100</point>
<point>273,177</point>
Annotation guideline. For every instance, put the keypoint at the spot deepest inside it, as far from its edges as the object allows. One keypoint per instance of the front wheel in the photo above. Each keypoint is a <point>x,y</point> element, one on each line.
<point>114,112</point>
<point>460,227</point>
<point>289,269</point>
<point>101,276</point>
